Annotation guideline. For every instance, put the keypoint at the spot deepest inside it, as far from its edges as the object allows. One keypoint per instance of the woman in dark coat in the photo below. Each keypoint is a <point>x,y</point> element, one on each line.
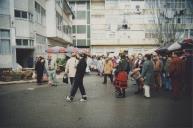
<point>39,68</point>
<point>121,77</point>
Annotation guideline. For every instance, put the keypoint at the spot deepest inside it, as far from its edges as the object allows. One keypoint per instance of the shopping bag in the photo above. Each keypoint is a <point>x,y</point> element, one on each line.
<point>65,78</point>
<point>45,78</point>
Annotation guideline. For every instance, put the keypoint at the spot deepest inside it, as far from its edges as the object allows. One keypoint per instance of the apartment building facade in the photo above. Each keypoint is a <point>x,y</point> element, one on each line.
<point>134,25</point>
<point>81,23</point>
<point>27,28</point>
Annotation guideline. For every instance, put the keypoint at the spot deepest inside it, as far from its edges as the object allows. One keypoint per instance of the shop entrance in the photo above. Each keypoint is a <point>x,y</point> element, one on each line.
<point>25,57</point>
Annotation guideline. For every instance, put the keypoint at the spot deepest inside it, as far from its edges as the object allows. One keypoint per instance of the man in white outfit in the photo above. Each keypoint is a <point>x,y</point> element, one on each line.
<point>70,68</point>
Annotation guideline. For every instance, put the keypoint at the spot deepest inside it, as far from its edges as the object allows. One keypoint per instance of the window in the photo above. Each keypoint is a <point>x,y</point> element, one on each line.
<point>81,15</point>
<point>25,42</point>
<point>74,29</point>
<point>59,2</point>
<point>74,42</point>
<point>59,21</point>
<point>81,5</point>
<point>4,7</point>
<point>17,13</point>
<point>88,31</point>
<point>43,16</point>
<point>40,14</point>
<point>5,34</point>
<point>30,16</point>
<point>81,42</point>
<point>178,20</point>
<point>88,42</point>
<point>18,42</point>
<point>81,29</point>
<point>5,46</point>
<point>72,5</point>
<point>24,15</point>
<point>88,17</point>
<point>88,5</point>
<point>31,43</point>
<point>191,33</point>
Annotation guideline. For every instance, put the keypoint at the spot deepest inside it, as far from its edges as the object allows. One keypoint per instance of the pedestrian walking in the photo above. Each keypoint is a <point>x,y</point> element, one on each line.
<point>157,71</point>
<point>70,68</point>
<point>39,69</point>
<point>175,70</point>
<point>121,77</point>
<point>148,75</point>
<point>138,64</point>
<point>78,80</point>
<point>100,66</point>
<point>168,85</point>
<point>52,66</point>
<point>108,68</point>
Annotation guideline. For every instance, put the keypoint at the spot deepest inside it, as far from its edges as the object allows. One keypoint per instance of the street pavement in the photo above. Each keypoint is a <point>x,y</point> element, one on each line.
<point>32,106</point>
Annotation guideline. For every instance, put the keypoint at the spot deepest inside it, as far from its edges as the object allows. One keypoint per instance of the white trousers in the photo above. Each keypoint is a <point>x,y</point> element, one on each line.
<point>146,91</point>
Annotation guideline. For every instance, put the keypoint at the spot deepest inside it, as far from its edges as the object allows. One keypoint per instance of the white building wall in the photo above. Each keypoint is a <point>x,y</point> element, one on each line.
<point>52,31</point>
<point>51,18</point>
<point>6,18</point>
<point>107,19</point>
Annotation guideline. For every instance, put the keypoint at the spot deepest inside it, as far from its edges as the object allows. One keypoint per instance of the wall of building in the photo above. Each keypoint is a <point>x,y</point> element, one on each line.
<point>131,23</point>
<point>24,29</point>
<point>81,23</point>
<point>6,33</point>
<point>59,24</point>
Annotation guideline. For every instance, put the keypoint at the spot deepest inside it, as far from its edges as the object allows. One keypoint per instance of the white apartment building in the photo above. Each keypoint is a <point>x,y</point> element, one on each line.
<point>81,23</point>
<point>132,25</point>
<point>59,23</point>
<point>27,27</point>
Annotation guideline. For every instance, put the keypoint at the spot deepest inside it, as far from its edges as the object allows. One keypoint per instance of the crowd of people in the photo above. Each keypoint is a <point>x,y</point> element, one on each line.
<point>151,72</point>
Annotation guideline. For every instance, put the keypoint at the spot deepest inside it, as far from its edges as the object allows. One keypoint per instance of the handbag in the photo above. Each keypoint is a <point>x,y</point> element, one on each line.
<point>45,78</point>
<point>65,78</point>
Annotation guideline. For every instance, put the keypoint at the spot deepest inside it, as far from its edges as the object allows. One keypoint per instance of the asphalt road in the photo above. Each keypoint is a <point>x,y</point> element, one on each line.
<point>32,106</point>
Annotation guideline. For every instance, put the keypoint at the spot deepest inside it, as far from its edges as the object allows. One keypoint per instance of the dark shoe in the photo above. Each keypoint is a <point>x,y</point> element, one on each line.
<point>104,83</point>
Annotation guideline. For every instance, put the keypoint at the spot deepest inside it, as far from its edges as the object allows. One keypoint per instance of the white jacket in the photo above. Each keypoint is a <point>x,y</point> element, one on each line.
<point>71,67</point>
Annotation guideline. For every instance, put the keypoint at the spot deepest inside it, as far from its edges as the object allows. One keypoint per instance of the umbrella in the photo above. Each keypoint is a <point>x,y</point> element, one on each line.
<point>174,46</point>
<point>56,49</point>
<point>72,49</point>
<point>163,49</point>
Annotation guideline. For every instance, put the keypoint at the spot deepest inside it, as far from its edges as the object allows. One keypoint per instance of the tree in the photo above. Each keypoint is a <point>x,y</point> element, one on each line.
<point>167,21</point>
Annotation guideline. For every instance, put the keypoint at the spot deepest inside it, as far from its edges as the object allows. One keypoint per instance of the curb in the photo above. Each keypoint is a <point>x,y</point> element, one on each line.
<point>17,82</point>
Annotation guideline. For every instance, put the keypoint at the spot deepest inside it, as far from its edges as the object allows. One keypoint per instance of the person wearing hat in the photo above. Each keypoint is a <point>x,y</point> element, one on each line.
<point>78,80</point>
<point>70,68</point>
